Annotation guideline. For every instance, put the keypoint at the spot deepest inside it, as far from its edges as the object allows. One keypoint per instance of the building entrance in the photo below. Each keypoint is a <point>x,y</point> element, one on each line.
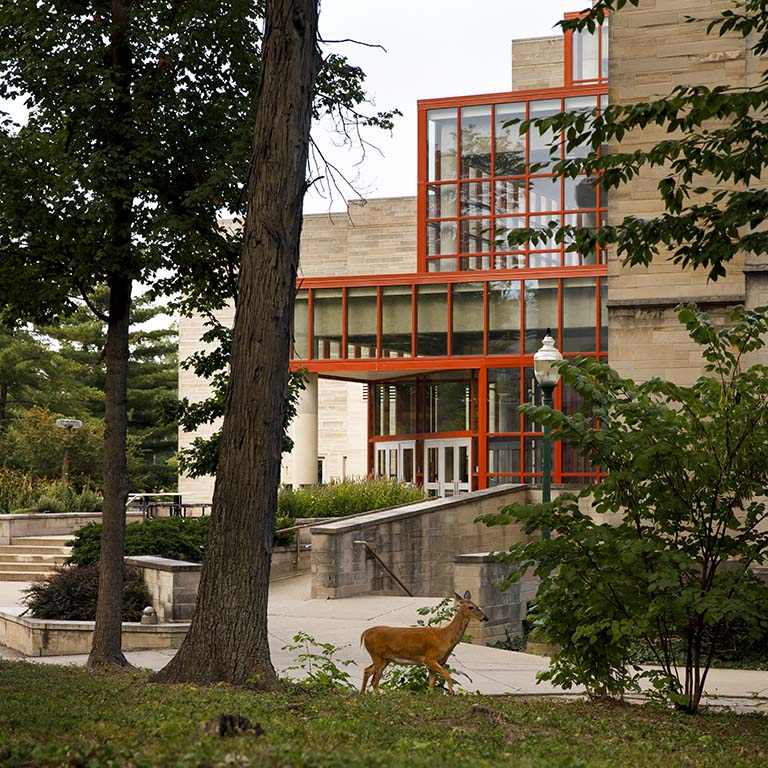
<point>447,467</point>
<point>396,461</point>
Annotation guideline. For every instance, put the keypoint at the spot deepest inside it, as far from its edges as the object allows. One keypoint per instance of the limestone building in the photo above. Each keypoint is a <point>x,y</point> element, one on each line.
<point>417,322</point>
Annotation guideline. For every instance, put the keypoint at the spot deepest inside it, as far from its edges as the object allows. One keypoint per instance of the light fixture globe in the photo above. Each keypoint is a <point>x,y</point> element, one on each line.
<point>544,361</point>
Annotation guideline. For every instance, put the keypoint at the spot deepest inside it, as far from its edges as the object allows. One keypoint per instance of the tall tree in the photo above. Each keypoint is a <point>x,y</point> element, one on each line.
<point>228,639</point>
<point>138,134</point>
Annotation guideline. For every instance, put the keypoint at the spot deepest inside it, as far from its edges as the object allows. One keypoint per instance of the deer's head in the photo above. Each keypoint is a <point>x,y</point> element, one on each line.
<point>468,608</point>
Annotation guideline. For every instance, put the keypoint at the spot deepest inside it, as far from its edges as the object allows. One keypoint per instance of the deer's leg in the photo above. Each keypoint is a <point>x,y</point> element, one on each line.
<point>431,680</point>
<point>379,668</point>
<point>367,672</point>
<point>435,668</point>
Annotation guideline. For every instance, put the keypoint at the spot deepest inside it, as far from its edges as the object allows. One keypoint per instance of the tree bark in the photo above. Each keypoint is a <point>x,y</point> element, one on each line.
<point>228,640</point>
<point>106,648</point>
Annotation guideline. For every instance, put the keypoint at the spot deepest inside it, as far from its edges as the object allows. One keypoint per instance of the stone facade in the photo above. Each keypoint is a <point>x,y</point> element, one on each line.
<point>653,48</point>
<point>537,62</point>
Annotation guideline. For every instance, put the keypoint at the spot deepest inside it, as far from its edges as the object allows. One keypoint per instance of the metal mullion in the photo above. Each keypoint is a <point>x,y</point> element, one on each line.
<point>449,320</point>
<point>311,323</point>
<point>481,460</point>
<point>486,324</point>
<point>378,323</point>
<point>344,343</point>
<point>414,320</point>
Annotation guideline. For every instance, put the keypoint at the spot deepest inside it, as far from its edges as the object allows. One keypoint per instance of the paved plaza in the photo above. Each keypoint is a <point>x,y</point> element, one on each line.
<point>341,622</point>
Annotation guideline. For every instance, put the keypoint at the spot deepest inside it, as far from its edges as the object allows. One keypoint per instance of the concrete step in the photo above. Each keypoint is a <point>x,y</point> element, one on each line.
<point>47,567</point>
<point>28,557</point>
<point>24,549</point>
<point>42,541</point>
<point>24,575</point>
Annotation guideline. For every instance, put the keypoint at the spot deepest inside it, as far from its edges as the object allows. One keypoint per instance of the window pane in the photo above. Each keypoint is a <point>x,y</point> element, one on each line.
<point>300,327</point>
<point>580,193</point>
<point>441,265</point>
<point>585,104</point>
<point>441,201</point>
<point>503,401</point>
<point>476,142</point>
<point>476,198</point>
<point>467,319</point>
<point>432,321</point>
<point>448,406</point>
<point>532,455</point>
<point>395,408</point>
<point>326,317</point>
<point>510,196</point>
<point>441,144</point>
<point>540,312</point>
<point>539,142</point>
<point>579,316</point>
<point>503,456</point>
<point>468,263</point>
<point>603,314</point>
<point>584,55</point>
<point>476,235</point>
<point>604,50</point>
<point>542,223</point>
<point>544,260</point>
<point>396,321</point>
<point>544,194</point>
<point>504,317</point>
<point>510,145</point>
<point>441,237</point>
<point>361,322</point>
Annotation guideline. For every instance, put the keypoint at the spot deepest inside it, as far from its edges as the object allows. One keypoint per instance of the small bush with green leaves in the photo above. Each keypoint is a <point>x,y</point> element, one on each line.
<point>349,497</point>
<point>322,669</point>
<point>70,594</point>
<point>177,538</point>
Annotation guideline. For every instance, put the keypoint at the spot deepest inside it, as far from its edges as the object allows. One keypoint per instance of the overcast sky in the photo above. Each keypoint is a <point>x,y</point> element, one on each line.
<point>434,48</point>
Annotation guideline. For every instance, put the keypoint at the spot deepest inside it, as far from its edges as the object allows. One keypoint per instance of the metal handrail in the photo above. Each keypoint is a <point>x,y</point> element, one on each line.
<point>384,566</point>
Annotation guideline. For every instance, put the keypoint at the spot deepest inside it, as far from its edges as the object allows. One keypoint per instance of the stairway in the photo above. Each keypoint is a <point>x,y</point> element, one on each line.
<point>32,558</point>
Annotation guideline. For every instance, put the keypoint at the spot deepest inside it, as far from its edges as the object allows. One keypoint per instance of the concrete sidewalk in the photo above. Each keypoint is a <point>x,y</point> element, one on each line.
<point>341,622</point>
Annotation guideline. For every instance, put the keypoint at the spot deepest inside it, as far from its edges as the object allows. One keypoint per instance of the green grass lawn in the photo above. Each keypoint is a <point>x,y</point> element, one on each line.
<point>52,715</point>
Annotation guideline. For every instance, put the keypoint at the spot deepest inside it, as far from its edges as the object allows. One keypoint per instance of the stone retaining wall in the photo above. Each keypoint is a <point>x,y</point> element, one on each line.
<point>482,575</point>
<point>419,542</point>
<point>54,524</point>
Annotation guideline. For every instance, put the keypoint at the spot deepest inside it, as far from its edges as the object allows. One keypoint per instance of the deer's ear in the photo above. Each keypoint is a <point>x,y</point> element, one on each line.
<point>457,596</point>
<point>467,595</point>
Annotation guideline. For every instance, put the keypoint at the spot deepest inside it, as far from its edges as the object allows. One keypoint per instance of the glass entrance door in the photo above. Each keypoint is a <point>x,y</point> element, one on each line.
<point>396,461</point>
<point>447,467</point>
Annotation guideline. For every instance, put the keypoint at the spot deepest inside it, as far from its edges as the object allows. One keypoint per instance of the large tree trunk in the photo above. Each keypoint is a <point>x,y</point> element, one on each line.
<point>106,648</point>
<point>227,640</point>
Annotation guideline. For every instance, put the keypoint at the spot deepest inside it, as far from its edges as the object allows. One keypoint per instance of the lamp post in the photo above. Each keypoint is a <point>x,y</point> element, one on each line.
<point>69,425</point>
<point>548,377</point>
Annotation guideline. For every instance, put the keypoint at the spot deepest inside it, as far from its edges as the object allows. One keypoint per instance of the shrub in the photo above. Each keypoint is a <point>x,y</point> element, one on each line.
<point>349,497</point>
<point>70,594</point>
<point>62,497</point>
<point>18,489</point>
<point>178,538</point>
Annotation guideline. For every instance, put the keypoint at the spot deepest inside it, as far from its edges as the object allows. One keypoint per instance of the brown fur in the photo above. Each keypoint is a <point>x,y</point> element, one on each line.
<point>430,646</point>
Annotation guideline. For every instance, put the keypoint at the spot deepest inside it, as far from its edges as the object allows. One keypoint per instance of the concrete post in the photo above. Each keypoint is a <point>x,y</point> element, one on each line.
<point>304,432</point>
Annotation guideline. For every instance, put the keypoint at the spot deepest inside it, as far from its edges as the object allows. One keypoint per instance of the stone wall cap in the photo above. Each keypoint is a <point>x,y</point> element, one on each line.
<point>412,510</point>
<point>476,557</point>
<point>162,563</point>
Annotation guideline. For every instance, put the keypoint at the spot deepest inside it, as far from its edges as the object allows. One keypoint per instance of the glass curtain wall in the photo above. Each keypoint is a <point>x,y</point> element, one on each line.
<point>485,180</point>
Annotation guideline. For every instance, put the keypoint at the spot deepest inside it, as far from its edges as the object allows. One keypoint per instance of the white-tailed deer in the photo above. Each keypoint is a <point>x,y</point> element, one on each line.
<point>430,646</point>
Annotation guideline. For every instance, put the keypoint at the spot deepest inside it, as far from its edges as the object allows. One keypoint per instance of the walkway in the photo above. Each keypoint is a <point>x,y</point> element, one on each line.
<point>340,622</point>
